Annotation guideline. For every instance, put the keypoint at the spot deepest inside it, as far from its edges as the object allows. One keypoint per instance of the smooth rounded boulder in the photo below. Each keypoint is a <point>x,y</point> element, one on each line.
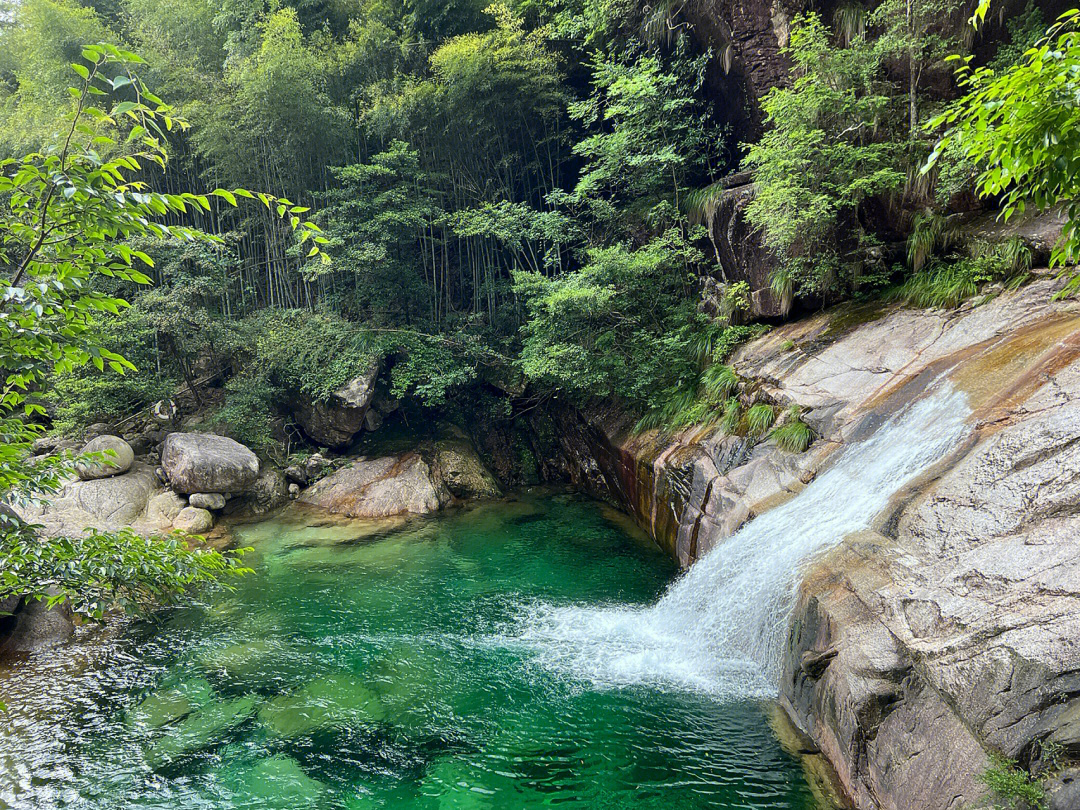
<point>116,458</point>
<point>193,520</point>
<point>205,463</point>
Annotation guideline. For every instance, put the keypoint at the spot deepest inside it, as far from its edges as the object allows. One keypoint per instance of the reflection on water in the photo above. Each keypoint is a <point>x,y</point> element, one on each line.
<point>367,669</point>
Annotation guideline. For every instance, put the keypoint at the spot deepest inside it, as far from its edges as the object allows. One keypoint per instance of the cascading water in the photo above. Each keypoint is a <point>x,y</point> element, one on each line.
<point>720,628</point>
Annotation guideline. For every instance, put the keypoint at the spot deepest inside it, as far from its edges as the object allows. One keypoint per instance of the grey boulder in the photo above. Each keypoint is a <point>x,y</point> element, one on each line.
<point>193,520</point>
<point>207,463</point>
<point>207,500</point>
<point>117,457</point>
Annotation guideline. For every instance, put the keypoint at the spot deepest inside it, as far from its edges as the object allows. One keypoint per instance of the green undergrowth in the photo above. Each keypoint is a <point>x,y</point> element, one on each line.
<point>1013,787</point>
<point>947,281</point>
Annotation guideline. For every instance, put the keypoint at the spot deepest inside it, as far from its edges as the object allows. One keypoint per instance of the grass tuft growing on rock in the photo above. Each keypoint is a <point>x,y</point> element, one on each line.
<point>794,435</point>
<point>760,418</point>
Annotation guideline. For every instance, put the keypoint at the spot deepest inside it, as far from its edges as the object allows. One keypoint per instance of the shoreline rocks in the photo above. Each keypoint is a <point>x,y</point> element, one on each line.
<point>415,482</point>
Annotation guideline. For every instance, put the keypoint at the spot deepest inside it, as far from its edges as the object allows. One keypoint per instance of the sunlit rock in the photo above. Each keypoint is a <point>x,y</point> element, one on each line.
<point>116,458</point>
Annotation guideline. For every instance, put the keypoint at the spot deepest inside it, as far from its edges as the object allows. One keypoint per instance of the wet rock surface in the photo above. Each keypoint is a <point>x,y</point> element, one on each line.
<point>950,631</point>
<point>380,487</point>
<point>416,481</point>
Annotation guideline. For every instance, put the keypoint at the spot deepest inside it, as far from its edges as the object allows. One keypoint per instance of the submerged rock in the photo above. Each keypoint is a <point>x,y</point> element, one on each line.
<point>322,703</point>
<point>117,458</point>
<point>171,704</point>
<point>200,729</point>
<point>279,783</point>
<point>205,462</point>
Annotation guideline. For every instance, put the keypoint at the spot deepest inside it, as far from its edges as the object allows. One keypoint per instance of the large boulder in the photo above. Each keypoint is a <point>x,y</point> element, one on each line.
<point>204,462</point>
<point>380,487</point>
<point>334,422</point>
<point>37,626</point>
<point>105,503</point>
<point>117,457</point>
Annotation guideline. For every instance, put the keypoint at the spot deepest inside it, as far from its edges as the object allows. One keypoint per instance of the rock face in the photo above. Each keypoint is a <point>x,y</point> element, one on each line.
<point>117,458</point>
<point>204,462</point>
<point>739,249</point>
<point>335,422</point>
<point>462,472</point>
<point>269,491</point>
<point>949,630</point>
<point>380,487</point>
<point>415,482</point>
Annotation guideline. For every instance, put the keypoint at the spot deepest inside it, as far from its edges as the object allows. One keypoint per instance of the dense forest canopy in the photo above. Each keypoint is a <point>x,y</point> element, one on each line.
<point>519,189</point>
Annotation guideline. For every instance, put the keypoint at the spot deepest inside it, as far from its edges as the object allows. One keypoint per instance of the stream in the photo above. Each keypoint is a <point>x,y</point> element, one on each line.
<point>373,666</point>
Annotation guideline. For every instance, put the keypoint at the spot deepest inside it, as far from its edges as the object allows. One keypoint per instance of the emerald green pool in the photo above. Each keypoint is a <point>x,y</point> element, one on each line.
<point>375,667</point>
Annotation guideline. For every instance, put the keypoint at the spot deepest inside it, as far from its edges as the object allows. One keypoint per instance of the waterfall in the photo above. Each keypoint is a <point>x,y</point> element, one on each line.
<point>722,626</point>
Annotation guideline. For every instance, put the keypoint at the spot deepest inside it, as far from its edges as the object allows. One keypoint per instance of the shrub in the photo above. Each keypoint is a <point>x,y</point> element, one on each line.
<point>1013,786</point>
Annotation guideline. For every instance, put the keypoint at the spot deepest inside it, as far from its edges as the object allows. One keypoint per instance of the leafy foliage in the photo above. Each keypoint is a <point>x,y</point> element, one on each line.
<point>1013,786</point>
<point>616,326</point>
<point>949,281</point>
<point>826,151</point>
<point>1020,127</point>
<point>105,571</point>
<point>66,233</point>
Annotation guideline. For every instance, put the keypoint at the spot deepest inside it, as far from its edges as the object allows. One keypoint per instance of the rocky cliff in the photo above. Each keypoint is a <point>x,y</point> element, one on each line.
<point>948,633</point>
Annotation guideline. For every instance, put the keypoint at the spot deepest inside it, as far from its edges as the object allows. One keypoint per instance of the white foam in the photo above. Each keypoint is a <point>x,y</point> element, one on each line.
<point>721,627</point>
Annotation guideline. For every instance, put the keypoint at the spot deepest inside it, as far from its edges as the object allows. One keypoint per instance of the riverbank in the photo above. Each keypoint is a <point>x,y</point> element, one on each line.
<point>942,636</point>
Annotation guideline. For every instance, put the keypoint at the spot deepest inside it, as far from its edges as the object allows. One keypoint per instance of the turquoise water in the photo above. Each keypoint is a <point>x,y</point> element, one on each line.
<point>370,666</point>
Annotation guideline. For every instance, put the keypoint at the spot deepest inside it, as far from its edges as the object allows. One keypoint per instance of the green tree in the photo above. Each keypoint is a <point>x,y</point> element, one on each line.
<point>616,326</point>
<point>67,222</point>
<point>1021,128</point>
<point>827,150</point>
